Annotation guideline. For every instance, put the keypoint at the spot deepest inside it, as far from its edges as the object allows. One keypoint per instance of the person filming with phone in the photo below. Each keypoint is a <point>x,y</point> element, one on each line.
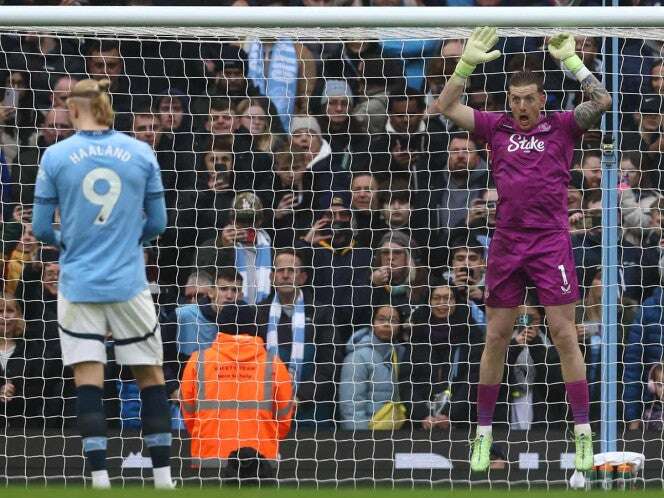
<point>242,244</point>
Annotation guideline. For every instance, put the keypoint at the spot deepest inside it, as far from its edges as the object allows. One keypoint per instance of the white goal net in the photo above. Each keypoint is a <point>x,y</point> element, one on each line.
<point>313,189</point>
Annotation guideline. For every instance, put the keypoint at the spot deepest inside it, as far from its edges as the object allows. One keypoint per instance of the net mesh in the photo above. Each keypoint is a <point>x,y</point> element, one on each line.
<point>327,142</point>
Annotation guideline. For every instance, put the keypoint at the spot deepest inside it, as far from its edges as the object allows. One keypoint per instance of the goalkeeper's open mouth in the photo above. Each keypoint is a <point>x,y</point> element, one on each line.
<point>524,121</point>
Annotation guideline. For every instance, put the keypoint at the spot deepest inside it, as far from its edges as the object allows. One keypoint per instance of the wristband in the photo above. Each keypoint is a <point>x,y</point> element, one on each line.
<point>575,65</point>
<point>463,69</point>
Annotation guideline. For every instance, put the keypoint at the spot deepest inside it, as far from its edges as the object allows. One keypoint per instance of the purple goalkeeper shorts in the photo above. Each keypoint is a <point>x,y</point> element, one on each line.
<point>543,257</point>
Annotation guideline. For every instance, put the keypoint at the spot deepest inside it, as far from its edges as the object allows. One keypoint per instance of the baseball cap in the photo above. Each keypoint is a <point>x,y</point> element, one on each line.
<point>248,208</point>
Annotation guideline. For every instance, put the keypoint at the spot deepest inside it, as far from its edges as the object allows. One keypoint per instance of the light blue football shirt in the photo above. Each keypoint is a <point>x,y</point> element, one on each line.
<point>100,180</point>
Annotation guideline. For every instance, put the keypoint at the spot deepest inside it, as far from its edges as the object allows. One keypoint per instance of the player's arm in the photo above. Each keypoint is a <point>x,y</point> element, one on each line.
<point>476,52</point>
<point>155,212</point>
<point>154,203</point>
<point>46,202</point>
<point>587,114</point>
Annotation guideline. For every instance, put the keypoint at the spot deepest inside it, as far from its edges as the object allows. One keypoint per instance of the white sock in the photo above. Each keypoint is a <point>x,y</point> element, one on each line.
<point>100,479</point>
<point>582,429</point>
<point>483,430</point>
<point>162,478</point>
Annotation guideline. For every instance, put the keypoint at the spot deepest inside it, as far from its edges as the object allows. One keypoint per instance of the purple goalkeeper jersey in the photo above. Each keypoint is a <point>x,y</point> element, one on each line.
<point>531,169</point>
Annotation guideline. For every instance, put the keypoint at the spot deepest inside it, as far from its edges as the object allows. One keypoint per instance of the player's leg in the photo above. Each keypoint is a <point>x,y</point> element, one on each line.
<point>500,324</point>
<point>504,292</point>
<point>553,270</point>
<point>563,332</point>
<point>82,337</point>
<point>138,345</point>
<point>156,421</point>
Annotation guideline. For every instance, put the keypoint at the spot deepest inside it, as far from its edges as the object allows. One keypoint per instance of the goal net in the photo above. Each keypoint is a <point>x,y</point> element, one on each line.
<point>307,172</point>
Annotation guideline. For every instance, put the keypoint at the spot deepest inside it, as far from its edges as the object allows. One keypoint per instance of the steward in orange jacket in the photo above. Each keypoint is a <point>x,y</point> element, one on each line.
<point>235,395</point>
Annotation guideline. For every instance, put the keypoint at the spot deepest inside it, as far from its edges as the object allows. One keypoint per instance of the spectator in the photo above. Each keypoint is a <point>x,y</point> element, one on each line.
<point>242,244</point>
<point>369,375</point>
<point>637,262</point>
<point>175,123</point>
<point>17,114</point>
<point>644,348</point>
<point>56,127</point>
<point>442,361</point>
<point>253,167</point>
<point>228,74</point>
<point>104,60</point>
<point>285,72</point>
<point>365,209</point>
<point>657,77</point>
<point>636,197</point>
<point>62,87</point>
<point>330,171</point>
<point>292,198</point>
<point>198,286</point>
<point>256,121</point>
<point>464,181</point>
<point>591,168</point>
<point>378,77</point>
<point>533,372</point>
<point>647,137</point>
<point>43,57</point>
<point>215,198</point>
<point>466,272</point>
<point>398,278</point>
<point>439,69</point>
<point>256,410</point>
<point>16,370</point>
<point>335,120</point>
<point>343,270</point>
<point>481,219</point>
<point>25,251</point>
<point>303,336</point>
<point>197,322</point>
<point>654,415</point>
<point>399,214</point>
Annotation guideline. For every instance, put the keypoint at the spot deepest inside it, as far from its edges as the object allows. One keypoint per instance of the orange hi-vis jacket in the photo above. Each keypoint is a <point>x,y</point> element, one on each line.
<point>235,394</point>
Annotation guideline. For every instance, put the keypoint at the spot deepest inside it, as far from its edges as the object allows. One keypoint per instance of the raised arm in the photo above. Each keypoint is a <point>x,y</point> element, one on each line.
<point>476,52</point>
<point>587,114</point>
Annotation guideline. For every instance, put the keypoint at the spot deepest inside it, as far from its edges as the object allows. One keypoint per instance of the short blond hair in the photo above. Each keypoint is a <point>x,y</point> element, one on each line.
<point>96,93</point>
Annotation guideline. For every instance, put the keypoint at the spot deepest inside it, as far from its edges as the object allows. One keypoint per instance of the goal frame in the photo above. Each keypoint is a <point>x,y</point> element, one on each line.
<point>51,17</point>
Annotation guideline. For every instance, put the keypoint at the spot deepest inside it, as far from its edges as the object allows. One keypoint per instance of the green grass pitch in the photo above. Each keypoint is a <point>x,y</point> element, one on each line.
<point>341,492</point>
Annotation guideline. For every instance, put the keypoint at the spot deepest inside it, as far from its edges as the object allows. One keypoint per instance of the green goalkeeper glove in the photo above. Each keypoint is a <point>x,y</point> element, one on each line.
<point>477,51</point>
<point>563,48</point>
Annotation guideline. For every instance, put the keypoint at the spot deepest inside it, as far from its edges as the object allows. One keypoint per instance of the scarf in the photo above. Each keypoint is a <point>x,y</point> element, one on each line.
<point>279,82</point>
<point>259,287</point>
<point>297,325</point>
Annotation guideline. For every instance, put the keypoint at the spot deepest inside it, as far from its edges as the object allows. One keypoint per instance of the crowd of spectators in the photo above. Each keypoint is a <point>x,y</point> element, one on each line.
<point>314,184</point>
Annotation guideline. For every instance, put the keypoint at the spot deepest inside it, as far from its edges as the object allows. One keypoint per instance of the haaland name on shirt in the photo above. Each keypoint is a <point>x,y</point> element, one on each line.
<point>98,150</point>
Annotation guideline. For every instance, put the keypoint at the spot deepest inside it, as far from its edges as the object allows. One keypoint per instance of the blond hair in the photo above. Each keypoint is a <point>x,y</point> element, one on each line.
<point>17,327</point>
<point>95,94</point>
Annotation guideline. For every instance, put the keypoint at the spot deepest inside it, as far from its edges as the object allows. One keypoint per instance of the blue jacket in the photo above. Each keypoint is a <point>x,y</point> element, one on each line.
<point>195,330</point>
<point>366,379</point>
<point>645,347</point>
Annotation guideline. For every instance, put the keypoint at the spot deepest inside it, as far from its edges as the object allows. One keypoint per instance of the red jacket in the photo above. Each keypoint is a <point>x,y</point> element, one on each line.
<point>235,394</point>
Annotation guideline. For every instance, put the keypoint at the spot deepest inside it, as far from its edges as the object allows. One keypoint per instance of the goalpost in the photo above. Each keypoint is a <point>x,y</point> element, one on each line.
<point>168,53</point>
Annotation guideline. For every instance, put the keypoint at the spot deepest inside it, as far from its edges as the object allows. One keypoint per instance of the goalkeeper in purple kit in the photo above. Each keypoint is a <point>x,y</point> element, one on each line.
<point>531,157</point>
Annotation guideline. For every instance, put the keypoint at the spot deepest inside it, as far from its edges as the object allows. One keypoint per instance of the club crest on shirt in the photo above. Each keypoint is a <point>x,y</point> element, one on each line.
<point>519,142</point>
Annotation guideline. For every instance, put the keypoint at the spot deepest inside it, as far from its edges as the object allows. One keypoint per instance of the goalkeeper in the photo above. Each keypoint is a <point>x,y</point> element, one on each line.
<point>531,156</point>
